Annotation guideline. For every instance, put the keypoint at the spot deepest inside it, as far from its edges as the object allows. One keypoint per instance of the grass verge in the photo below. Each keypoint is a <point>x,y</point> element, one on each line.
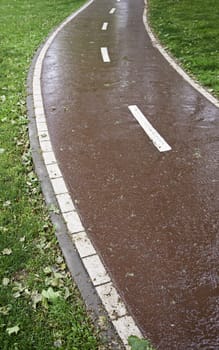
<point>40,308</point>
<point>190,31</point>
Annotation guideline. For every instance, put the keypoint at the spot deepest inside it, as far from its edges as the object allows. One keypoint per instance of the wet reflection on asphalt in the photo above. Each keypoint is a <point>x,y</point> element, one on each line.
<point>153,217</point>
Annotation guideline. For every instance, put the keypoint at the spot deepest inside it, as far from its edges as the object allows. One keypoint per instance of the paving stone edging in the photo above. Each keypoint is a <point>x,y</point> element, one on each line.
<point>88,271</point>
<point>172,61</point>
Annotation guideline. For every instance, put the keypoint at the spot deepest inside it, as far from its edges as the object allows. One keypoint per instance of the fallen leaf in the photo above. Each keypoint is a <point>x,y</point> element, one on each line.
<point>56,282</point>
<point>47,270</point>
<point>129,274</point>
<point>50,294</point>
<point>139,344</point>
<point>7,251</point>
<point>102,322</point>
<point>67,293</point>
<point>59,259</point>
<point>2,150</point>
<point>63,267</point>
<point>13,330</point>
<point>7,204</point>
<point>58,343</point>
<point>36,299</point>
<point>3,98</point>
<point>3,229</point>
<point>59,275</point>
<point>54,209</point>
<point>18,287</point>
<point>17,295</point>
<point>4,310</point>
<point>5,281</point>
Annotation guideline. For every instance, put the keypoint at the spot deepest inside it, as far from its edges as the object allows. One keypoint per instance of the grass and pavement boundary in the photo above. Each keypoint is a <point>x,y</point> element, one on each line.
<point>40,307</point>
<point>189,31</point>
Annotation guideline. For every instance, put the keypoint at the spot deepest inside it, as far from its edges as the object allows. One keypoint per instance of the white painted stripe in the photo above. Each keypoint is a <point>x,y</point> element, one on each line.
<point>105,26</point>
<point>152,133</point>
<point>105,54</point>
<point>179,70</point>
<point>112,11</point>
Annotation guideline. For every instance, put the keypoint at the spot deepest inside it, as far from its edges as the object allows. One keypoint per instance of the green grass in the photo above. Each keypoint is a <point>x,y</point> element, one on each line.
<point>30,259</point>
<point>190,30</point>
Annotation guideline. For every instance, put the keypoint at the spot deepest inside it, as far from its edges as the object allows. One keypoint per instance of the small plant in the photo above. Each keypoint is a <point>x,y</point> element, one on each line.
<point>139,344</point>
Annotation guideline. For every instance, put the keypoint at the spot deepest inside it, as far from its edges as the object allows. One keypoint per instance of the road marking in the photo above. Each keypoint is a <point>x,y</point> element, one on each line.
<point>104,26</point>
<point>105,54</point>
<point>112,11</point>
<point>152,133</point>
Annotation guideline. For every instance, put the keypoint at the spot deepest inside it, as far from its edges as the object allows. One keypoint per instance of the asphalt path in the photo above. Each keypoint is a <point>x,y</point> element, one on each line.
<point>138,148</point>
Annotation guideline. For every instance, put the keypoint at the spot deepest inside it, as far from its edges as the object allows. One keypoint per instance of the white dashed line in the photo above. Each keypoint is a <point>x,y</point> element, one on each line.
<point>152,133</point>
<point>105,26</point>
<point>112,11</point>
<point>105,54</point>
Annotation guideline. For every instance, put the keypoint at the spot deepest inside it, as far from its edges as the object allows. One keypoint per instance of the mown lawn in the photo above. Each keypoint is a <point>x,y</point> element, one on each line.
<point>190,31</point>
<point>40,308</point>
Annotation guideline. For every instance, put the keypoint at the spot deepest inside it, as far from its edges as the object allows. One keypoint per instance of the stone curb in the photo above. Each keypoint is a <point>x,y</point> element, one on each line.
<point>86,267</point>
<point>173,62</point>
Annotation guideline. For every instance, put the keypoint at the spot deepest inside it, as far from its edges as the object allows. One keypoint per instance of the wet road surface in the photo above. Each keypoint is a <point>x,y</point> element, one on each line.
<point>152,216</point>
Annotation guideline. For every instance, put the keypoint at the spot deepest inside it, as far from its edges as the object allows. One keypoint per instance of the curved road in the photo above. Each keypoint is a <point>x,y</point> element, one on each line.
<point>151,212</point>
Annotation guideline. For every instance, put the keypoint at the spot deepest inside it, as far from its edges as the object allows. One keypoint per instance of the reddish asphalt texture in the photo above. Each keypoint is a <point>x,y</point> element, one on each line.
<point>153,217</point>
